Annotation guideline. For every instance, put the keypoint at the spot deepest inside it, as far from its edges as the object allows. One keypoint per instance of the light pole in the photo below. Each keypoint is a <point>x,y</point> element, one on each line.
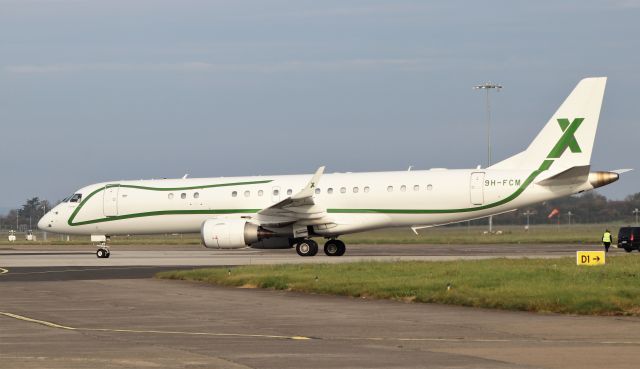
<point>488,86</point>
<point>528,213</point>
<point>17,218</point>
<point>636,211</point>
<point>569,213</point>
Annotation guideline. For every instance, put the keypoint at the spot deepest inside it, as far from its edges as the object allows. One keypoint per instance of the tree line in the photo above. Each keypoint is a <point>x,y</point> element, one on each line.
<point>27,216</point>
<point>590,207</point>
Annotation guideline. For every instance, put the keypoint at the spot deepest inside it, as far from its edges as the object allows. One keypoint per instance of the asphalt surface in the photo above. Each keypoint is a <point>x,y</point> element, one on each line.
<point>60,256</point>
<point>112,316</point>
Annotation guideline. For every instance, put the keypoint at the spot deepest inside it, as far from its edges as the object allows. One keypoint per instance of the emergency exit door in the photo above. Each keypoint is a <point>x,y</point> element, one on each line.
<point>110,200</point>
<point>477,188</point>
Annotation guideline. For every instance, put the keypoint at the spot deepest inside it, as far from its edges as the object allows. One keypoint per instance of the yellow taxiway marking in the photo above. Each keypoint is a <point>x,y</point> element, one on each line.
<point>60,326</point>
<point>83,270</point>
<point>4,271</point>
<point>406,339</point>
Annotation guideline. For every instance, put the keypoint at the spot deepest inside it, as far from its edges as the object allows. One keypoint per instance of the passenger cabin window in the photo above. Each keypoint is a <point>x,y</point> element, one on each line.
<point>416,188</point>
<point>329,190</point>
<point>170,196</point>
<point>317,191</point>
<point>183,195</point>
<point>403,188</point>
<point>247,193</point>
<point>234,194</point>
<point>390,189</point>
<point>343,190</point>
<point>75,198</point>
<point>276,192</point>
<point>429,187</point>
<point>289,192</point>
<point>196,195</point>
<point>366,189</point>
<point>355,190</point>
<point>260,193</point>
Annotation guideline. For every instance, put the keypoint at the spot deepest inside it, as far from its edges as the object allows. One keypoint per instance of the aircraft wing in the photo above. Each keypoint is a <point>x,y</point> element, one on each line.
<point>301,207</point>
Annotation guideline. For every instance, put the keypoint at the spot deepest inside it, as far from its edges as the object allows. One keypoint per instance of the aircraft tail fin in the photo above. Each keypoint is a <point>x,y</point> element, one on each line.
<point>567,139</point>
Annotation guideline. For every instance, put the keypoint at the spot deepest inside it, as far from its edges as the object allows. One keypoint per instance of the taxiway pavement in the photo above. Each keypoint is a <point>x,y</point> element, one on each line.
<point>112,316</point>
<point>55,256</point>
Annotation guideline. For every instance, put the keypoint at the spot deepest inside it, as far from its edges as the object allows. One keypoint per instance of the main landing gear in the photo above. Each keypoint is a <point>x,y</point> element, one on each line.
<point>309,247</point>
<point>334,248</point>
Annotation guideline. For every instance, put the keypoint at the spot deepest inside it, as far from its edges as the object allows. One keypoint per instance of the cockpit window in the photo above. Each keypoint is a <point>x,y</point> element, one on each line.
<point>76,198</point>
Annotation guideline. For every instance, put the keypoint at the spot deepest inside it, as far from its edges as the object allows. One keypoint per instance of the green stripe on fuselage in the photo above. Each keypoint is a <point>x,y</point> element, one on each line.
<point>161,212</point>
<point>543,167</point>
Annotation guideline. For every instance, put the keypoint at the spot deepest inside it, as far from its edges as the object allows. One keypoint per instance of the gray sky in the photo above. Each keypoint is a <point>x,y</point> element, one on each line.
<point>105,90</point>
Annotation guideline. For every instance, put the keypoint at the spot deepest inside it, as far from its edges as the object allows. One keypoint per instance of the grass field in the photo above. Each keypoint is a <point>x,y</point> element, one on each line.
<point>538,285</point>
<point>460,234</point>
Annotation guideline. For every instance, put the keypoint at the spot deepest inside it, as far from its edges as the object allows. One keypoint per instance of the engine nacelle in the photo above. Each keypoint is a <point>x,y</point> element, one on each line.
<point>231,233</point>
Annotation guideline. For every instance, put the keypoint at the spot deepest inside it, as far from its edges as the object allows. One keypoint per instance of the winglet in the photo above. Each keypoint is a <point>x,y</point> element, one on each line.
<point>310,188</point>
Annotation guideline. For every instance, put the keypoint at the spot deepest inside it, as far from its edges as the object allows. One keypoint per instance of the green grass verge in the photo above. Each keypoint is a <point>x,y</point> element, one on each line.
<point>538,285</point>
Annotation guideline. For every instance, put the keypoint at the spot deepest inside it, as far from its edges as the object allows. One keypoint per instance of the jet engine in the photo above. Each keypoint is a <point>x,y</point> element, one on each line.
<point>231,233</point>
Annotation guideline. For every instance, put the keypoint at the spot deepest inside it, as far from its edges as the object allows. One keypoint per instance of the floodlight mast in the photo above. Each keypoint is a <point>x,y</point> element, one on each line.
<point>488,86</point>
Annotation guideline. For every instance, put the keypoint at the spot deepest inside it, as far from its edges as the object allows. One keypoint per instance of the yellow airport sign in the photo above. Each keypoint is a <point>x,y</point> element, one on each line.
<point>590,257</point>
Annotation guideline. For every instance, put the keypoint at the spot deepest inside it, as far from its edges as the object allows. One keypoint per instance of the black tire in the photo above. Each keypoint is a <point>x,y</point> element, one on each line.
<point>307,248</point>
<point>107,254</point>
<point>334,248</point>
<point>331,248</point>
<point>342,248</point>
<point>627,249</point>
<point>100,253</point>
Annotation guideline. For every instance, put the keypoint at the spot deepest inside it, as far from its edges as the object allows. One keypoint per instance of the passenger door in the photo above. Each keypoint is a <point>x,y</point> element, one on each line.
<point>477,188</point>
<point>110,200</point>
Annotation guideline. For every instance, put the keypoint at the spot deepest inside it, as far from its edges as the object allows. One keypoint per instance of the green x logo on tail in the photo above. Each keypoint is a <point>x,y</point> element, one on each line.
<point>568,139</point>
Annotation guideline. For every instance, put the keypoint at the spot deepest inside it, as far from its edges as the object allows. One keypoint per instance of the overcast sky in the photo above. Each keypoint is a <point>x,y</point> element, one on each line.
<point>104,90</point>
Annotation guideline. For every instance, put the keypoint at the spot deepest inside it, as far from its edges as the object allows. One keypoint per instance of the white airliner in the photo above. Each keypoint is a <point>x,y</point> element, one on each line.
<point>283,211</point>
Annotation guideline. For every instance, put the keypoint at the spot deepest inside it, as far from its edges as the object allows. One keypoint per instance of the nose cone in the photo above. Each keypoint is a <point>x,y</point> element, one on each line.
<point>45,222</point>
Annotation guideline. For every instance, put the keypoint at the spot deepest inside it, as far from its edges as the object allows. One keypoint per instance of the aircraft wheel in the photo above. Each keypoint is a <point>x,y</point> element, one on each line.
<point>101,253</point>
<point>334,248</point>
<point>108,253</point>
<point>307,248</point>
<point>627,249</point>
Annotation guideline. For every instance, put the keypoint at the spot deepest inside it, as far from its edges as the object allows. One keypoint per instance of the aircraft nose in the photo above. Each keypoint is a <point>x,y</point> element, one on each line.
<point>45,222</point>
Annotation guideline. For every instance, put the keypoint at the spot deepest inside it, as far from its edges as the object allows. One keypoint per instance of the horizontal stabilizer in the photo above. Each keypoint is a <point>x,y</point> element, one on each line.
<point>621,171</point>
<point>571,176</point>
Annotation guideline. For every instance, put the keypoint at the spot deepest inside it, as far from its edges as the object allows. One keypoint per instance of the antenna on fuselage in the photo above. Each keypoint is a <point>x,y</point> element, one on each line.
<point>185,176</point>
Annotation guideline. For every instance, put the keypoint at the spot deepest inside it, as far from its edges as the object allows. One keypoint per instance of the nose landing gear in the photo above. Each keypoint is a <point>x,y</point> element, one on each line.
<point>103,252</point>
<point>103,248</point>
